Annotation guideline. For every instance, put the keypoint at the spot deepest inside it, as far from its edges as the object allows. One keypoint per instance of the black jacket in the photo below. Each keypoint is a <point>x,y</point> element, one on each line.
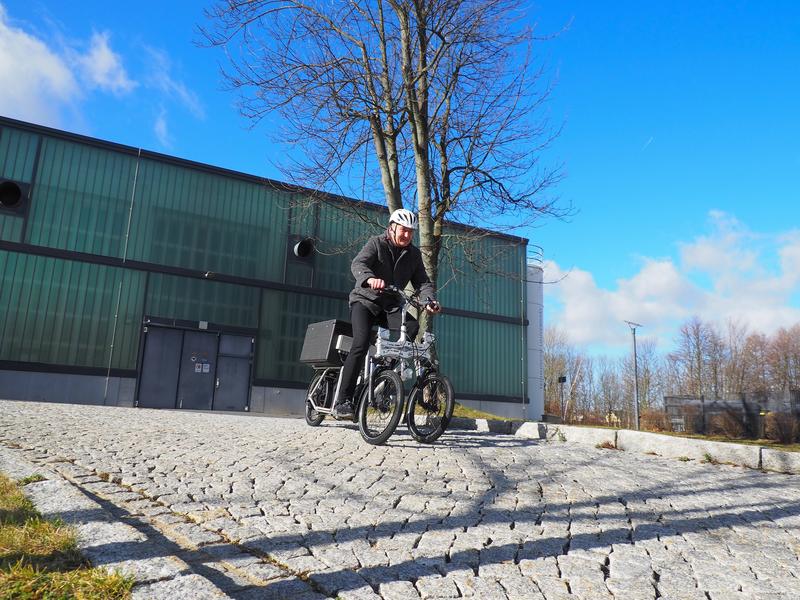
<point>376,260</point>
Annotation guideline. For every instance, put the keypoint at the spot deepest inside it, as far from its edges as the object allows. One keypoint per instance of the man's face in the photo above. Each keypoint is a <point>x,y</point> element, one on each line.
<point>401,236</point>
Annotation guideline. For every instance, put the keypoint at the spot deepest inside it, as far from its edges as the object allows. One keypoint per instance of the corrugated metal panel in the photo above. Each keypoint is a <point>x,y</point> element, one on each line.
<point>17,154</point>
<point>284,318</point>
<point>341,235</point>
<point>198,300</point>
<point>81,198</point>
<point>10,228</point>
<point>62,312</point>
<point>484,275</point>
<point>196,220</point>
<point>482,357</point>
<point>129,321</point>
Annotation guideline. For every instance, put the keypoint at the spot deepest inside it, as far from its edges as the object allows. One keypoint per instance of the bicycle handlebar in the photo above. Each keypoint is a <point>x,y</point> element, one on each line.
<point>409,299</point>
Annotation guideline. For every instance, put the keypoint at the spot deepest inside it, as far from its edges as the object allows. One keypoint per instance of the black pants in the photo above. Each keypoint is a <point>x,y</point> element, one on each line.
<point>363,321</point>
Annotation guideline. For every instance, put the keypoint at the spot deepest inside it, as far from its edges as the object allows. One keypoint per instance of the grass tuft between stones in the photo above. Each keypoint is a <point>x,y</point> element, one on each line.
<point>36,477</point>
<point>39,558</point>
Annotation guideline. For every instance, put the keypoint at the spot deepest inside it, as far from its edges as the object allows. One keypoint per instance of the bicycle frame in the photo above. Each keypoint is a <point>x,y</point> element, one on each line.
<point>402,350</point>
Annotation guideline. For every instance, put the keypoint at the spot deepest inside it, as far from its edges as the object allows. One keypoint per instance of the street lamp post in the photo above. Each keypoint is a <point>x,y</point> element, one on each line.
<point>633,327</point>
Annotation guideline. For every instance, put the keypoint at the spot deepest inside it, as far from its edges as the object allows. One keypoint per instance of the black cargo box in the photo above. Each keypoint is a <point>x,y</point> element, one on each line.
<point>319,347</point>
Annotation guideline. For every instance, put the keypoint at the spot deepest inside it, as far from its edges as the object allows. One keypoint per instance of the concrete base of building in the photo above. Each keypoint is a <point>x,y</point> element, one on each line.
<point>67,388</point>
<point>92,389</point>
<point>277,402</point>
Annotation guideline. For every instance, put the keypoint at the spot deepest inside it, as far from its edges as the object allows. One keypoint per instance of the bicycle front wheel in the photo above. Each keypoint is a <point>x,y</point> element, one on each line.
<point>430,408</point>
<point>377,419</point>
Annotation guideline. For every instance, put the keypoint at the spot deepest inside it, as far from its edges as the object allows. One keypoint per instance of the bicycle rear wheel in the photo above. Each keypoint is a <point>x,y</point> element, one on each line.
<point>313,417</point>
<point>378,419</point>
<point>430,407</point>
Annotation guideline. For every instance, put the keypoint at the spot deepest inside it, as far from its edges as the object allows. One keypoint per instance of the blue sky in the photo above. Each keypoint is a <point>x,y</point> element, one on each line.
<point>681,142</point>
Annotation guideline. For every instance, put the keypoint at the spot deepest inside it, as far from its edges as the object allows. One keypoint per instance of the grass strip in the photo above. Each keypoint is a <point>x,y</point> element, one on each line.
<point>470,413</point>
<point>39,558</point>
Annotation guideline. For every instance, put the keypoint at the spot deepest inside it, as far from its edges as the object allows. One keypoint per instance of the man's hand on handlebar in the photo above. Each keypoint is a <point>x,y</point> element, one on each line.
<point>430,305</point>
<point>433,306</point>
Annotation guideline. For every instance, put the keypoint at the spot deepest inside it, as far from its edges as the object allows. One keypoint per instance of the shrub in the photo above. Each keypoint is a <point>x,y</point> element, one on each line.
<point>654,420</point>
<point>726,424</point>
<point>782,427</point>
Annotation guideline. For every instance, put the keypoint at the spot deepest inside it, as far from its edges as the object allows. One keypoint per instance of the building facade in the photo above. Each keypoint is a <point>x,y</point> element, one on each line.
<point>133,278</point>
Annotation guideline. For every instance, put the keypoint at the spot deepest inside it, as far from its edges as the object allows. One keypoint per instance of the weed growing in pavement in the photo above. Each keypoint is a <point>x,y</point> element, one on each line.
<point>31,479</point>
<point>708,458</point>
<point>39,557</point>
<point>606,445</point>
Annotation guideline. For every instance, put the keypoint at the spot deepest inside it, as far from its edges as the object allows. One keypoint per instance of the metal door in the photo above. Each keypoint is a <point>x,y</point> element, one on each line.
<point>234,367</point>
<point>197,370</point>
<point>158,383</point>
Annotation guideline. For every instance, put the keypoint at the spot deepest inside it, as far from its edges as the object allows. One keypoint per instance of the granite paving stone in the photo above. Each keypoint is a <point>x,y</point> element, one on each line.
<point>201,505</point>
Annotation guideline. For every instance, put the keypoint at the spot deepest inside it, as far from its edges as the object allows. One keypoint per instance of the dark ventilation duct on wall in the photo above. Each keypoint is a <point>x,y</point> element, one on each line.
<point>13,196</point>
<point>303,248</point>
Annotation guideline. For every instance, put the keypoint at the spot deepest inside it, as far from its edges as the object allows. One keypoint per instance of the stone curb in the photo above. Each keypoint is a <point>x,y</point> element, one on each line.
<point>745,455</point>
<point>676,447</point>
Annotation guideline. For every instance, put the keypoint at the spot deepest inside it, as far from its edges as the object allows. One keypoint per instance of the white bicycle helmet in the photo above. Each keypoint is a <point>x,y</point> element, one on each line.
<point>404,217</point>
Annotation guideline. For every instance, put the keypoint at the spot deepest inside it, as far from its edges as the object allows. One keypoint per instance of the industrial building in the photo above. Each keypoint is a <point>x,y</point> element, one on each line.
<point>133,278</point>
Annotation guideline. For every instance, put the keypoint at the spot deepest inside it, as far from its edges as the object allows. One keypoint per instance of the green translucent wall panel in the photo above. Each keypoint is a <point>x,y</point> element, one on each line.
<point>284,318</point>
<point>482,357</point>
<point>62,312</point>
<point>17,154</point>
<point>483,276</point>
<point>10,228</point>
<point>342,233</point>
<point>129,321</point>
<point>200,300</point>
<point>81,198</point>
<point>196,220</point>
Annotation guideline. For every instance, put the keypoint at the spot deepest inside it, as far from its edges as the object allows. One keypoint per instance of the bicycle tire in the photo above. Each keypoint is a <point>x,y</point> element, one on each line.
<point>430,407</point>
<point>314,418</point>
<point>378,419</point>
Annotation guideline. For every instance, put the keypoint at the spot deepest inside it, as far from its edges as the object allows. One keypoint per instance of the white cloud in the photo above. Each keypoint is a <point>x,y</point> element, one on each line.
<point>102,67</point>
<point>161,78</point>
<point>727,274</point>
<point>37,83</point>
<point>44,77</point>
<point>161,129</point>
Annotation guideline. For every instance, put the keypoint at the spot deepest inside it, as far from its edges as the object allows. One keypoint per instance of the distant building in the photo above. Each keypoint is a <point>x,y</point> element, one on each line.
<point>704,415</point>
<point>129,278</point>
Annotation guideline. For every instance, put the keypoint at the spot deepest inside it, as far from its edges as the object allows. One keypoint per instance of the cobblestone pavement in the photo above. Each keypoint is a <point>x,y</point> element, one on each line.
<point>271,508</point>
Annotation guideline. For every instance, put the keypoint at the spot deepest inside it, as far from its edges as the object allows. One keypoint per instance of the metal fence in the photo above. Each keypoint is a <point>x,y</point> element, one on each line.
<point>742,416</point>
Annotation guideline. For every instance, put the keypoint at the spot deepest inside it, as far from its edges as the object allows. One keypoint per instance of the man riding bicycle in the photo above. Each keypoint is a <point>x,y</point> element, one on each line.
<point>387,259</point>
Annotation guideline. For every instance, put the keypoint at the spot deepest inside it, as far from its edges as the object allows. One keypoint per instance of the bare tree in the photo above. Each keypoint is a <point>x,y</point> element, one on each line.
<point>756,352</point>
<point>691,357</point>
<point>648,360</point>
<point>437,98</point>
<point>735,369</point>
<point>611,388</point>
<point>783,356</point>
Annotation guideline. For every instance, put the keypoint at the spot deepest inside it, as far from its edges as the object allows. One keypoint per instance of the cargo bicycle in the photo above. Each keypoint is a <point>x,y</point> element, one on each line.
<point>379,394</point>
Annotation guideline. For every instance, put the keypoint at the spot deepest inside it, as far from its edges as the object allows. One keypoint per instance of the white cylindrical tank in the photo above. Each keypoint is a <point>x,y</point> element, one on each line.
<point>535,342</point>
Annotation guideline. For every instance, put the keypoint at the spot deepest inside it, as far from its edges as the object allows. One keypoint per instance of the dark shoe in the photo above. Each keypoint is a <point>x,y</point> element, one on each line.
<point>343,410</point>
